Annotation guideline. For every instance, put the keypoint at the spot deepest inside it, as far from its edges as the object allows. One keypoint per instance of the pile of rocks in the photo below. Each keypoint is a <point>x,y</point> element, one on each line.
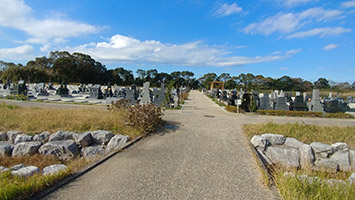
<point>25,171</point>
<point>291,153</point>
<point>64,145</point>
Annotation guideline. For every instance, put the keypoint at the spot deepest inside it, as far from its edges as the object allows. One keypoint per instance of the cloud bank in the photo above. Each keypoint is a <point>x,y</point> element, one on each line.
<point>120,48</point>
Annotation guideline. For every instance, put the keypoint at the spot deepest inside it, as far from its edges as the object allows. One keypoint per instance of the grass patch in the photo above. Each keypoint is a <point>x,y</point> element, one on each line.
<point>19,97</point>
<point>296,188</point>
<point>13,187</point>
<point>306,133</point>
<point>33,121</point>
<point>231,109</point>
<point>218,103</point>
<point>304,114</point>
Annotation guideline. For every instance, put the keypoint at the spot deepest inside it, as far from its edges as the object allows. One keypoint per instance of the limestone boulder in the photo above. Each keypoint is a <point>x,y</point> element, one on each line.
<point>92,151</point>
<point>17,167</point>
<point>61,135</point>
<point>326,164</point>
<point>3,169</point>
<point>6,148</point>
<point>293,142</point>
<point>274,139</point>
<point>340,146</point>
<point>259,142</point>
<point>116,142</point>
<point>83,139</point>
<point>22,138</point>
<point>11,135</point>
<point>343,160</point>
<point>323,149</point>
<point>54,169</point>
<point>306,156</point>
<point>63,149</point>
<point>351,178</point>
<point>26,148</point>
<point>101,136</point>
<point>283,156</point>
<point>42,137</point>
<point>26,171</point>
<point>352,159</point>
<point>3,136</point>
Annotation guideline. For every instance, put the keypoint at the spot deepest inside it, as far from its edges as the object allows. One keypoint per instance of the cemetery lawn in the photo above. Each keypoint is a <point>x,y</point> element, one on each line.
<point>305,133</point>
<point>36,120</point>
<point>295,188</point>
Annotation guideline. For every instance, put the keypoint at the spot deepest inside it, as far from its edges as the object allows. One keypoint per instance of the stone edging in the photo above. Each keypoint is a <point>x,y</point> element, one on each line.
<point>274,191</point>
<point>81,172</point>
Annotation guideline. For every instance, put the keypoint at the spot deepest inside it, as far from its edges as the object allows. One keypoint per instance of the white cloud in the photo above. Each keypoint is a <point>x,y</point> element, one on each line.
<point>226,9</point>
<point>291,3</point>
<point>330,47</point>
<point>348,4</point>
<point>128,49</point>
<point>290,22</point>
<point>322,32</point>
<point>16,14</point>
<point>284,68</point>
<point>24,51</point>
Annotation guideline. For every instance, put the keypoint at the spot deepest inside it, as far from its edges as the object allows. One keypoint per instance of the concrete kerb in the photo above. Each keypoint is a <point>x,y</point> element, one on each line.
<point>275,192</point>
<point>81,172</point>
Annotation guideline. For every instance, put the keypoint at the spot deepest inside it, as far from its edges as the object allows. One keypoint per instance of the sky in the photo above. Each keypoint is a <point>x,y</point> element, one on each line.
<point>309,39</point>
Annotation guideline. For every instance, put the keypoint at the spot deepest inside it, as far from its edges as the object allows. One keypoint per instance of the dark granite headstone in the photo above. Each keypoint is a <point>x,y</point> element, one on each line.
<point>281,104</point>
<point>299,104</point>
<point>63,90</point>
<point>265,102</point>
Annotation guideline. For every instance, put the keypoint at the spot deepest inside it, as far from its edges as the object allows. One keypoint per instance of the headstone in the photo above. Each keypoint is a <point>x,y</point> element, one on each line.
<point>265,102</point>
<point>299,104</point>
<point>41,89</point>
<point>108,91</point>
<point>96,92</point>
<point>334,106</point>
<point>63,90</point>
<point>160,96</point>
<point>246,102</point>
<point>50,86</point>
<point>130,95</point>
<point>281,104</point>
<point>146,94</point>
<point>315,103</point>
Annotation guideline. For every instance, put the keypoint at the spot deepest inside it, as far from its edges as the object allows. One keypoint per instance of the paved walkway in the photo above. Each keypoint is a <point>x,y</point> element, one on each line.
<point>201,155</point>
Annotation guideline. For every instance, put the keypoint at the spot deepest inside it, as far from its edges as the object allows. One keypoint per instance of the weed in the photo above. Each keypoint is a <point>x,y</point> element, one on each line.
<point>145,117</point>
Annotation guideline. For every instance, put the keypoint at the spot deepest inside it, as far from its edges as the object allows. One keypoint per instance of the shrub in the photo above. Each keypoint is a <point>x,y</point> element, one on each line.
<point>146,117</point>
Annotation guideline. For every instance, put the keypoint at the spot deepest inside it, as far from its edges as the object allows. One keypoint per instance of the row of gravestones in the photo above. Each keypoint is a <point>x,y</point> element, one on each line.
<point>64,145</point>
<point>275,149</point>
<point>280,101</point>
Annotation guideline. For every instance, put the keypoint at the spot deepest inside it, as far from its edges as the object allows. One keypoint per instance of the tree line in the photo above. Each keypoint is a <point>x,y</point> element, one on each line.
<point>61,66</point>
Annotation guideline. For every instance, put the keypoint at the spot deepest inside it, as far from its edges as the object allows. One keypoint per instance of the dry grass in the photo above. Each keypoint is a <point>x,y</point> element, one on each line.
<point>38,160</point>
<point>297,188</point>
<point>35,120</point>
<point>305,133</point>
<point>344,95</point>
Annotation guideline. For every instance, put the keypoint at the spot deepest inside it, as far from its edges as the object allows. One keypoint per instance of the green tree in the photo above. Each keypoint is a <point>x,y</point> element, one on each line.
<point>322,83</point>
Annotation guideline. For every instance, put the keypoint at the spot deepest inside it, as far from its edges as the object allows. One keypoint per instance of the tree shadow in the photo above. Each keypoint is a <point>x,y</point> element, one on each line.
<point>168,127</point>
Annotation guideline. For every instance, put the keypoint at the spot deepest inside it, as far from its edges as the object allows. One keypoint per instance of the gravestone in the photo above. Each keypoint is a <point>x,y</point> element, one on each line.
<point>335,106</point>
<point>232,97</point>
<point>63,90</point>
<point>96,92</point>
<point>315,103</point>
<point>50,86</point>
<point>245,102</point>
<point>18,89</point>
<point>41,89</point>
<point>299,104</point>
<point>281,104</point>
<point>159,97</point>
<point>108,91</point>
<point>146,94</point>
<point>265,102</point>
<point>130,95</point>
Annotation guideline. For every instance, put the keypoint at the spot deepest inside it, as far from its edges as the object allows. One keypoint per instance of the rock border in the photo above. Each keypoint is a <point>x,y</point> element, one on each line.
<point>274,190</point>
<point>81,172</point>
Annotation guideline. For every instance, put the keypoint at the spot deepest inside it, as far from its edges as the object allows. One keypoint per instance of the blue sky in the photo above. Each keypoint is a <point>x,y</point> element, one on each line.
<point>298,38</point>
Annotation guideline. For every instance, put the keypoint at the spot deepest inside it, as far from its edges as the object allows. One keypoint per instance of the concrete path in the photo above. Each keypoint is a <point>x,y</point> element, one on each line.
<point>202,154</point>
